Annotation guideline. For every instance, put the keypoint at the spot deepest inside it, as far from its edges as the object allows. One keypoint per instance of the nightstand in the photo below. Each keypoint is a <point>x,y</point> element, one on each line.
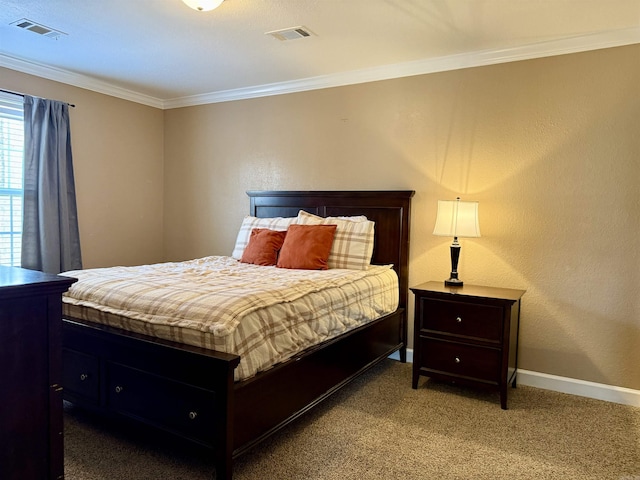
<point>467,335</point>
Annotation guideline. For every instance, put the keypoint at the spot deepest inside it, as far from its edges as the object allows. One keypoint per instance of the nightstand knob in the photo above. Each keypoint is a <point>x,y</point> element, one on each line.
<point>459,319</point>
<point>119,389</point>
<point>193,415</point>
<point>457,359</point>
<point>83,376</point>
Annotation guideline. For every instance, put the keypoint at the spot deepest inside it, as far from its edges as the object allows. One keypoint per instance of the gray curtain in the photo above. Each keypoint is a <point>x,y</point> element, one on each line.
<point>50,237</point>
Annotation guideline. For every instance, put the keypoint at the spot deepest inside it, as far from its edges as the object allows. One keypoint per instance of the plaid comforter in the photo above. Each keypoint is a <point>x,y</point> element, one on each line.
<point>263,314</point>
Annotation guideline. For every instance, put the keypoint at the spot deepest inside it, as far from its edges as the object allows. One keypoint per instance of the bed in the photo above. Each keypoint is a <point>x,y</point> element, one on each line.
<point>194,393</point>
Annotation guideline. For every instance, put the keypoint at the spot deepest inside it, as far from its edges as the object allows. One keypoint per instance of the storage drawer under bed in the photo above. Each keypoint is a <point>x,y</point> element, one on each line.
<point>81,375</point>
<point>175,406</point>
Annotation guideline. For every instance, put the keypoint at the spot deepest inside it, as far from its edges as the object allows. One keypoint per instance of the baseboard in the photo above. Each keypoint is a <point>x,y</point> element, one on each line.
<point>396,356</point>
<point>600,391</point>
<point>582,388</point>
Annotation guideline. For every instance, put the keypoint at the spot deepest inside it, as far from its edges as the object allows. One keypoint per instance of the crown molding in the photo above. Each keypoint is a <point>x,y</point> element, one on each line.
<point>563,46</point>
<point>550,48</point>
<point>77,80</point>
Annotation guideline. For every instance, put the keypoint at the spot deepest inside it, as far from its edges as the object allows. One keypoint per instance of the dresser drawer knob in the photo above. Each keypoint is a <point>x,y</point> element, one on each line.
<point>119,389</point>
<point>457,360</point>
<point>459,319</point>
<point>84,376</point>
<point>193,415</point>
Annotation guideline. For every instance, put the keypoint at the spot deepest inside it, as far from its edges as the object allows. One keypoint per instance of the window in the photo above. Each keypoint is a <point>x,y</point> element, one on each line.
<point>11,193</point>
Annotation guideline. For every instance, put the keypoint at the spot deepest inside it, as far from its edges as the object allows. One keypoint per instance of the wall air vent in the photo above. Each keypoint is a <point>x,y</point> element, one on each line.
<point>34,27</point>
<point>290,33</point>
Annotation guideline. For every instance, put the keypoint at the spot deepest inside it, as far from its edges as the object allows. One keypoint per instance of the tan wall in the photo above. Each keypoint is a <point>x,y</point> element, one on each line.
<point>118,163</point>
<point>550,148</point>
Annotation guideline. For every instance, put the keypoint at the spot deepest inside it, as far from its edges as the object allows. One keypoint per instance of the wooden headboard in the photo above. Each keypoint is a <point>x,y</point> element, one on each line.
<point>390,210</point>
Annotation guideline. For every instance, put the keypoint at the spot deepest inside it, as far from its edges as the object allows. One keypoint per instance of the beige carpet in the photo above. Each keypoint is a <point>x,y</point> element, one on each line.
<point>378,428</point>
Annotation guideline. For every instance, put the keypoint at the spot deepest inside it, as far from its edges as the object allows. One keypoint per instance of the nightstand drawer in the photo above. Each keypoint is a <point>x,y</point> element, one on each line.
<point>462,319</point>
<point>461,360</point>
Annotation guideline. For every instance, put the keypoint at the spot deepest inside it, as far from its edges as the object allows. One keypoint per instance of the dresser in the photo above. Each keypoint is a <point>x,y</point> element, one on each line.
<point>467,335</point>
<point>31,441</point>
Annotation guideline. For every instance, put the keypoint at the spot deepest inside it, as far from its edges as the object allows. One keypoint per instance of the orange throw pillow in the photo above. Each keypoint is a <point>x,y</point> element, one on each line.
<point>263,247</point>
<point>307,247</point>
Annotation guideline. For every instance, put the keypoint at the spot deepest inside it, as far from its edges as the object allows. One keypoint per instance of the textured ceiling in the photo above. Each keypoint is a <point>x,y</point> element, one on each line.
<point>163,50</point>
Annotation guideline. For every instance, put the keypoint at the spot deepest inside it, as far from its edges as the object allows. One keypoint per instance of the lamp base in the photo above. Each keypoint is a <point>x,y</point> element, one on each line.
<point>453,282</point>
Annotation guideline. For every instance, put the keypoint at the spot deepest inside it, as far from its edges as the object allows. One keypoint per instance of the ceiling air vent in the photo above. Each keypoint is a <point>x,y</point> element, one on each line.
<point>290,33</point>
<point>34,27</point>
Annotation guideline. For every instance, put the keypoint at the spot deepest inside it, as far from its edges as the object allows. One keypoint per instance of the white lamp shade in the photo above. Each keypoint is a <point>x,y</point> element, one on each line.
<point>203,5</point>
<point>457,219</point>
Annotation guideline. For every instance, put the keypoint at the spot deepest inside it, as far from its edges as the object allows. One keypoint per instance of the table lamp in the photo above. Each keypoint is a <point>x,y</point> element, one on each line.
<point>456,219</point>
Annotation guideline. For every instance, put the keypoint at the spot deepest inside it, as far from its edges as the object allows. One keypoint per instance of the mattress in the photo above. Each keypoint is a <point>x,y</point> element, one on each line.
<point>263,314</point>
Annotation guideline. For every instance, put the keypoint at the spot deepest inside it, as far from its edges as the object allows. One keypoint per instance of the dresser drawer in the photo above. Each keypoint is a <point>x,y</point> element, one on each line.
<point>459,359</point>
<point>179,407</point>
<point>81,375</point>
<point>461,319</point>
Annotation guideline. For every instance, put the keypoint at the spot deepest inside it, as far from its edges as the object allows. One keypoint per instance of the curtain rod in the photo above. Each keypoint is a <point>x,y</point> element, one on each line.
<point>22,95</point>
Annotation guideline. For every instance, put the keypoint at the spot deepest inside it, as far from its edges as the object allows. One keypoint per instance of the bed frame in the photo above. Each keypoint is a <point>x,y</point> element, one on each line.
<point>190,391</point>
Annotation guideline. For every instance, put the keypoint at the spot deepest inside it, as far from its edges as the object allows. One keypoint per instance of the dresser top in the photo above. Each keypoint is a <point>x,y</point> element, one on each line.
<point>470,291</point>
<point>13,279</point>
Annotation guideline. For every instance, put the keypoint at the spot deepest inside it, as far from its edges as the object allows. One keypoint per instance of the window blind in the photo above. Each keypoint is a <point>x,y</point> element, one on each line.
<point>11,177</point>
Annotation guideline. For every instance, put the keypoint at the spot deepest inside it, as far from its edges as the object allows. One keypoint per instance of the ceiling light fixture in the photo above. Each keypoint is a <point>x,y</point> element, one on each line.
<point>203,5</point>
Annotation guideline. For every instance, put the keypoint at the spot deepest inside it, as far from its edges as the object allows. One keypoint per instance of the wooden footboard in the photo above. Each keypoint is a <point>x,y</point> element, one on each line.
<point>189,392</point>
<point>186,391</point>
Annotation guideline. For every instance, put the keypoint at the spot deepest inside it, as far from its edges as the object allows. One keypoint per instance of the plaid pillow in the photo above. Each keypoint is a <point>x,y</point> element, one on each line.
<point>249,223</point>
<point>353,241</point>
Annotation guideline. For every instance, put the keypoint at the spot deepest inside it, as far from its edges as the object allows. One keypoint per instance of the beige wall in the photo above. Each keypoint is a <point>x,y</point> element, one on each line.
<point>118,164</point>
<point>550,148</point>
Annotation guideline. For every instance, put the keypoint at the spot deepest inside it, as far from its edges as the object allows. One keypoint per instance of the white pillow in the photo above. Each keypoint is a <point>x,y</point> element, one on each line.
<point>353,241</point>
<point>309,216</point>
<point>249,223</point>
